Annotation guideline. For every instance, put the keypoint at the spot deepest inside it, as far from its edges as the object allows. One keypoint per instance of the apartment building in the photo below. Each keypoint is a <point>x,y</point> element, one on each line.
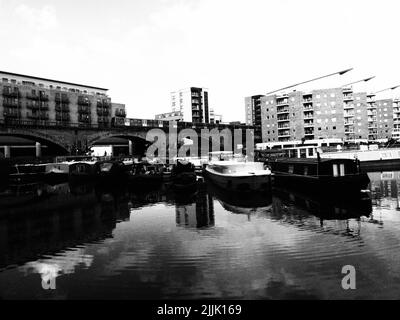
<point>253,115</point>
<point>30,98</point>
<point>335,113</point>
<point>192,103</point>
<point>396,119</point>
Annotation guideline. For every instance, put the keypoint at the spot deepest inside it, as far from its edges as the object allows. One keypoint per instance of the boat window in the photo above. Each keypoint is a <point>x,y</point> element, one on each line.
<point>342,171</point>
<point>335,170</point>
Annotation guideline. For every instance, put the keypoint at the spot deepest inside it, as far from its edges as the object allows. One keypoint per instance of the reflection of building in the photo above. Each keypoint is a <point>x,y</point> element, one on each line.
<point>53,229</point>
<point>385,188</point>
<point>199,214</point>
<point>37,99</point>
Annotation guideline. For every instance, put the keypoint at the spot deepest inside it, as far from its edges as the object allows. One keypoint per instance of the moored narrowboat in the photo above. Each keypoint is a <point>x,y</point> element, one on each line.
<point>146,174</point>
<point>111,171</point>
<point>183,176</point>
<point>82,170</point>
<point>320,175</point>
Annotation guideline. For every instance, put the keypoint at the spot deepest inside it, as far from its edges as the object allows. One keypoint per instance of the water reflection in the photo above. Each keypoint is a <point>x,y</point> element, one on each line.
<point>198,213</point>
<point>110,241</point>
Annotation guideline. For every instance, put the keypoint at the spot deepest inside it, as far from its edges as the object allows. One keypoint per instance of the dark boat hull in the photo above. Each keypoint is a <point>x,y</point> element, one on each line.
<point>347,185</point>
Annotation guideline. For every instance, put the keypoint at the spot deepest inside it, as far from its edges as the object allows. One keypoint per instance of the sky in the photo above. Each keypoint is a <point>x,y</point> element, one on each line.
<point>144,49</point>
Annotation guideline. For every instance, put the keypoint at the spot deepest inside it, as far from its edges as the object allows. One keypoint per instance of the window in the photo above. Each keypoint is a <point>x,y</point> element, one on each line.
<point>334,128</point>
<point>335,170</point>
<point>342,172</point>
<point>291,169</point>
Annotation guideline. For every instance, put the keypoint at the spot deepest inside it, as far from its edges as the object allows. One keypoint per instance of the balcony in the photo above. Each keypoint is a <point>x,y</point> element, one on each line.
<point>283,134</point>
<point>62,108</point>
<point>282,119</point>
<point>349,123</point>
<point>308,107</point>
<point>64,117</point>
<point>103,104</point>
<point>83,101</point>
<point>120,113</point>
<point>308,116</point>
<point>12,114</point>
<point>284,102</point>
<point>32,96</point>
<point>11,104</point>
<point>8,92</point>
<point>308,124</point>
<point>103,112</point>
<point>61,98</point>
<point>283,126</point>
<point>307,100</point>
<point>103,120</point>
<point>83,110</point>
<point>282,110</point>
<point>348,97</point>
<point>38,116</point>
<point>348,115</point>
<point>348,106</point>
<point>84,118</point>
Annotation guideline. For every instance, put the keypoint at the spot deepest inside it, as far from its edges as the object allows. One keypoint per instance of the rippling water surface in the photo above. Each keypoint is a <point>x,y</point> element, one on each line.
<point>93,242</point>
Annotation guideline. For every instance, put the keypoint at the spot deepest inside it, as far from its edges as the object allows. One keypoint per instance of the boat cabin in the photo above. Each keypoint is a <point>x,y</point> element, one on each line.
<point>316,167</point>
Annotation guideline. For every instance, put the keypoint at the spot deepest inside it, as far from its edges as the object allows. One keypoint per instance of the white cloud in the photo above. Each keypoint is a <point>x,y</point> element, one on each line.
<point>43,18</point>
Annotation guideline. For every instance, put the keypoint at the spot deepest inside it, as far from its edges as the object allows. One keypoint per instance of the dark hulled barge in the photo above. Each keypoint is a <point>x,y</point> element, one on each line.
<point>320,176</point>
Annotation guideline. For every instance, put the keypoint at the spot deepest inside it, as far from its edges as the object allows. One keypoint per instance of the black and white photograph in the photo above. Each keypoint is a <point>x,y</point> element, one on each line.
<point>199,150</point>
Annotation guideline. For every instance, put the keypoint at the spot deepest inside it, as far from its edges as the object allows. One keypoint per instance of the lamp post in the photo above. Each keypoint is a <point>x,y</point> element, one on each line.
<point>322,77</point>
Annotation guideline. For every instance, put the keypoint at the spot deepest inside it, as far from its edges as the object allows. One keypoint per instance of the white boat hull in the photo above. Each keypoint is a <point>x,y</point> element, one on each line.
<point>240,183</point>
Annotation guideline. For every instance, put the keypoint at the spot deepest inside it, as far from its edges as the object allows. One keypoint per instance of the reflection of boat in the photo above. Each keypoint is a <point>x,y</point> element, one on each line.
<point>146,174</point>
<point>183,176</point>
<point>320,175</point>
<point>22,194</point>
<point>111,171</point>
<point>237,202</point>
<point>328,207</point>
<point>239,176</point>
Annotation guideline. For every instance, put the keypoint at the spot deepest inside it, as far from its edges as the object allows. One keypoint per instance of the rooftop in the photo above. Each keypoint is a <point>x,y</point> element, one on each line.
<point>5,73</point>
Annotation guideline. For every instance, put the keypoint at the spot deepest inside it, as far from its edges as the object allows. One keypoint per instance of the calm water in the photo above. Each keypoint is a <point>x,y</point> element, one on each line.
<point>114,243</point>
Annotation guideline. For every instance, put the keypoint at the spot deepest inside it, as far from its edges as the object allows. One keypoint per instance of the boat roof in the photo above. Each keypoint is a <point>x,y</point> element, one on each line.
<point>311,160</point>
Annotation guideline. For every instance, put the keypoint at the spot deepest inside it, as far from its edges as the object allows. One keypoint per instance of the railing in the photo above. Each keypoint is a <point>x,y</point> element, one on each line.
<point>11,104</point>
<point>123,124</point>
<point>282,102</point>
<point>10,93</point>
<point>283,110</point>
<point>83,101</point>
<point>120,113</point>
<point>83,110</point>
<point>61,99</point>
